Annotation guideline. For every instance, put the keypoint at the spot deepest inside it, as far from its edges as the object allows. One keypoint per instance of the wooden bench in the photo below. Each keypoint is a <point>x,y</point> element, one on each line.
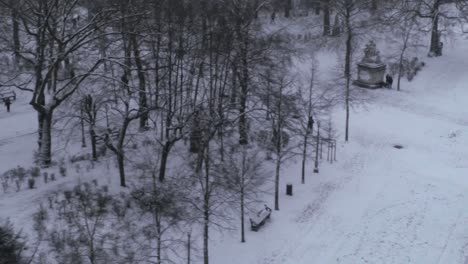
<point>113,134</point>
<point>258,219</point>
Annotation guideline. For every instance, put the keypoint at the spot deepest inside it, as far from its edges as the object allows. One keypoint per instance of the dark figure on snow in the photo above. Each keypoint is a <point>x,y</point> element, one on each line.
<point>7,103</point>
<point>273,16</point>
<point>388,81</point>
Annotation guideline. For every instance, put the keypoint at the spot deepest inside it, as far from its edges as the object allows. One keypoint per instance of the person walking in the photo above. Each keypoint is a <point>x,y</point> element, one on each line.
<point>7,103</point>
<point>388,81</point>
<point>273,16</point>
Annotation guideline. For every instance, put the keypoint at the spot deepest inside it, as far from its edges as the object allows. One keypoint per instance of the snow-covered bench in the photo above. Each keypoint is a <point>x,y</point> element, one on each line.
<point>258,219</point>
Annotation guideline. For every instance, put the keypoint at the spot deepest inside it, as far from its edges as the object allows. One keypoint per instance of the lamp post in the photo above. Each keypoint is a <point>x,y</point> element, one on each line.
<point>316,170</point>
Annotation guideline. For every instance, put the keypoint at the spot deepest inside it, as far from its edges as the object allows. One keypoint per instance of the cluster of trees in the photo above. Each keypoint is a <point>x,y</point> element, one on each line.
<point>407,20</point>
<point>157,74</point>
<point>200,87</point>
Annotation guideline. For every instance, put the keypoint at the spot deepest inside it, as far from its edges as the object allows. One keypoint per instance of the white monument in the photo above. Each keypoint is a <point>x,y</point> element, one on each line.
<point>371,70</point>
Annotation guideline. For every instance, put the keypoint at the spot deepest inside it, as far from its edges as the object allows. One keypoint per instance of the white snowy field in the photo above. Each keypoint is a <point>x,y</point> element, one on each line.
<point>377,204</point>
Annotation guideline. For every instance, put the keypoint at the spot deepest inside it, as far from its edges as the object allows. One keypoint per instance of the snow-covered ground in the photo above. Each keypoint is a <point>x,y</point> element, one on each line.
<point>17,134</point>
<point>380,204</point>
<point>377,204</point>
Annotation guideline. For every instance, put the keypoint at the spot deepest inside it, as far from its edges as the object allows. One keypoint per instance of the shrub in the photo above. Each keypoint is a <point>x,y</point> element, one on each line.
<point>39,219</point>
<point>50,198</point>
<point>46,177</point>
<point>31,183</point>
<point>68,195</point>
<point>77,168</point>
<point>409,68</point>
<point>34,171</point>
<point>67,228</point>
<point>18,173</point>
<point>63,171</point>
<point>18,185</point>
<point>5,185</point>
<point>11,244</point>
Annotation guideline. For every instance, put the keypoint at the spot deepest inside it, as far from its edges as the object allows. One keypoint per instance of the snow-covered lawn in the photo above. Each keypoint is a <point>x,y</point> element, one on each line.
<point>377,204</point>
<point>380,204</point>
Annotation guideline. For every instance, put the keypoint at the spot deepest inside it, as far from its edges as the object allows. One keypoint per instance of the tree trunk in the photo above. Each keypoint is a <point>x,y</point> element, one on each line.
<point>206,259</point>
<point>256,9</point>
<point>242,193</point>
<point>159,241</point>
<point>156,46</point>
<point>92,135</point>
<point>164,156</point>
<point>435,49</point>
<point>278,143</point>
<point>92,251</point>
<point>83,137</point>
<point>206,213</point>
<point>121,164</point>
<point>243,136</point>
<point>347,72</point>
<point>304,157</point>
<point>46,140</point>
<point>143,101</point>
<point>40,122</point>
<point>242,215</point>
<point>189,248</point>
<point>400,65</point>
<point>287,8</point>
<point>16,37</point>
<point>374,5</point>
<point>233,96</point>
<point>317,8</point>
<point>277,176</point>
<point>326,18</point>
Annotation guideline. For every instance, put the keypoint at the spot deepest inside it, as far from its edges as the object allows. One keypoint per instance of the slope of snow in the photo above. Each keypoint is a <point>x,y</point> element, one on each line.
<point>380,204</point>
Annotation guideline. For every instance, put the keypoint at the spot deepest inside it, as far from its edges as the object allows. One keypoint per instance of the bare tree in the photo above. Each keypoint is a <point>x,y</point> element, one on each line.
<point>406,30</point>
<point>162,204</point>
<point>85,214</point>
<point>283,114</point>
<point>244,176</point>
<point>316,104</point>
<point>58,40</point>
<point>354,13</point>
<point>434,10</point>
<point>247,54</point>
<point>326,17</point>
